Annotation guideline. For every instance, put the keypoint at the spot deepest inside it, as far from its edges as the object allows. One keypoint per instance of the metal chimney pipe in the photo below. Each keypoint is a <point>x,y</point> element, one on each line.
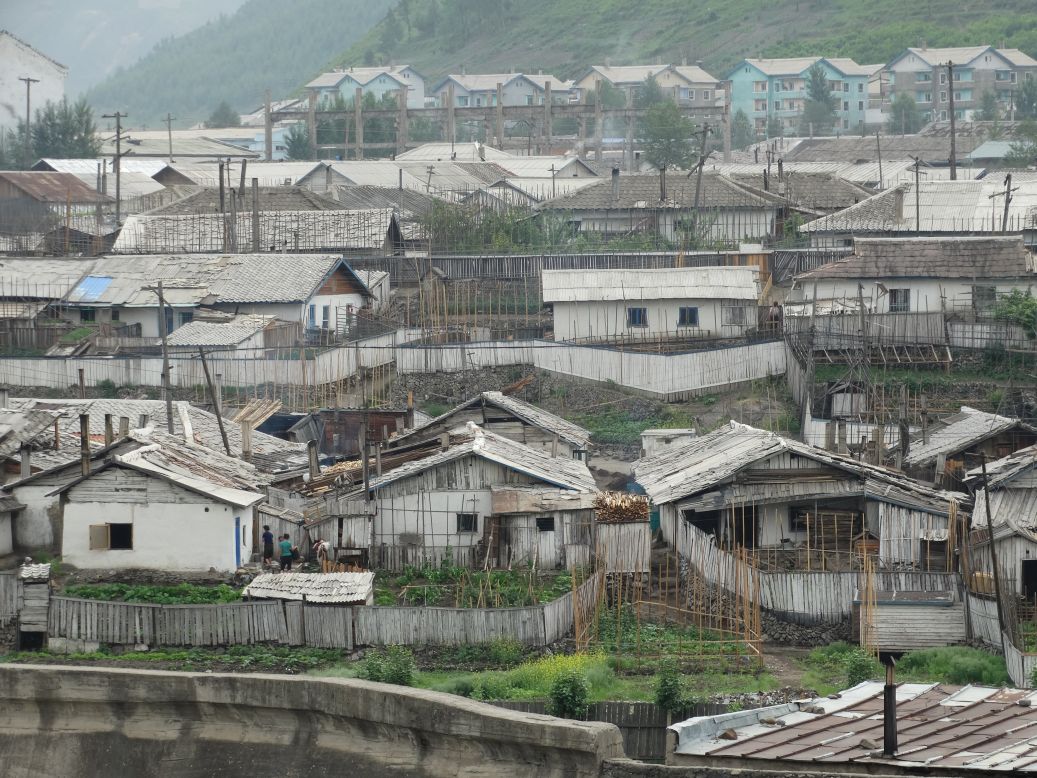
<point>889,712</point>
<point>615,183</point>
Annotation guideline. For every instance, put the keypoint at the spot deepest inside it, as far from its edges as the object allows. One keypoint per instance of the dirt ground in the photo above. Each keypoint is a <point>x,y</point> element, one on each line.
<point>785,664</point>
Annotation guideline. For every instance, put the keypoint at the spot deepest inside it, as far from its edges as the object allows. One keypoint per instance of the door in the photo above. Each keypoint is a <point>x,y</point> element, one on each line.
<point>1029,578</point>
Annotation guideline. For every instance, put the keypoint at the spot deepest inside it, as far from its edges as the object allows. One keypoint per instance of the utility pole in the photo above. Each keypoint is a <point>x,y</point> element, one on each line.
<point>950,95</point>
<point>116,163</point>
<point>167,393</point>
<point>878,149</point>
<point>918,210</point>
<point>993,549</point>
<point>213,399</point>
<point>698,177</point>
<point>28,118</point>
<point>1008,201</point>
<point>169,132</point>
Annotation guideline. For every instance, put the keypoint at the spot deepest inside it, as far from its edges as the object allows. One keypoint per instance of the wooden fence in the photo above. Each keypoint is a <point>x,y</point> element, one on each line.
<point>8,597</point>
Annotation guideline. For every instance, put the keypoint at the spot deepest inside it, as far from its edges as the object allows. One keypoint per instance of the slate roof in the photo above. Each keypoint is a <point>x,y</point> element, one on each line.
<point>487,82</point>
<point>567,431</point>
<point>636,74</point>
<point>329,588</point>
<point>955,433</point>
<point>472,440</point>
<point>996,257</point>
<point>270,174</point>
<point>205,148</point>
<point>641,191</point>
<point>361,75</point>
<point>713,459</point>
<point>271,198</point>
<point>687,283</point>
<point>223,333</point>
<point>23,428</point>
<point>33,49</point>
<point>53,188</point>
<point>812,191</point>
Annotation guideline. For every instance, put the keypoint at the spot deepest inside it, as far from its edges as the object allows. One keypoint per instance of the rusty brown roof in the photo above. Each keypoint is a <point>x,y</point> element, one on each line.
<point>50,187</point>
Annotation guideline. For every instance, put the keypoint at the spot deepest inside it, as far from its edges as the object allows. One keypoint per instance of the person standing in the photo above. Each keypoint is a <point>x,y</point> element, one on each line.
<point>286,552</point>
<point>268,544</point>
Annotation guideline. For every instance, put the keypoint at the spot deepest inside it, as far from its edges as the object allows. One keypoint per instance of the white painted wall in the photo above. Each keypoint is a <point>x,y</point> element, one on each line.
<point>731,224</point>
<point>18,60</point>
<point>608,319</point>
<point>926,293</point>
<point>181,536</point>
<point>32,526</point>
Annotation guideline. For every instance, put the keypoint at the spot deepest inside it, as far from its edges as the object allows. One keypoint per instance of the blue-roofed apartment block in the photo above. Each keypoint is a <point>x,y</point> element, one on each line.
<point>766,89</point>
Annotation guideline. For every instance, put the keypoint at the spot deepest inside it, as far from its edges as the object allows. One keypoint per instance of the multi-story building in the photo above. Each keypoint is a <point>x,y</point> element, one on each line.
<point>923,74</point>
<point>378,82</point>
<point>688,85</point>
<point>19,60</point>
<point>776,89</point>
<point>473,90</point>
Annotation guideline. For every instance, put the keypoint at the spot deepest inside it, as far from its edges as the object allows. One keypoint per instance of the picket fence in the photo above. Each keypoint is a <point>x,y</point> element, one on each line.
<point>323,626</point>
<point>665,376</point>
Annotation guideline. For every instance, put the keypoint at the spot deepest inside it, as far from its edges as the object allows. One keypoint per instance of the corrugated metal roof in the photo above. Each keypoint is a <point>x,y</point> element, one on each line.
<point>53,188</point>
<point>223,333</point>
<point>706,461</point>
<point>452,152</point>
<point>88,167</point>
<point>339,588</point>
<point>206,148</point>
<point>44,279</point>
<point>686,283</point>
<point>268,173</point>
<point>641,191</point>
<point>953,434</point>
<point>942,729</point>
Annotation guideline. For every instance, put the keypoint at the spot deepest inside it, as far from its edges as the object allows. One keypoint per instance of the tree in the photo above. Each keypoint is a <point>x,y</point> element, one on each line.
<point>1026,100</point>
<point>649,93</point>
<point>818,115</point>
<point>742,134</point>
<point>611,96</point>
<point>63,131</point>
<point>775,129</point>
<point>223,116</point>
<point>666,136</point>
<point>988,110</point>
<point>904,116</point>
<point>1024,149</point>
<point>298,143</point>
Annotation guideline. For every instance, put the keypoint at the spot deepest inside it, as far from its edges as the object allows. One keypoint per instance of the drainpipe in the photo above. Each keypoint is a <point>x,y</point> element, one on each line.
<point>889,712</point>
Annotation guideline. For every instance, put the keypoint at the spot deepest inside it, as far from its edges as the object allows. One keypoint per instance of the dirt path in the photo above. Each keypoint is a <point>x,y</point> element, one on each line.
<point>785,664</point>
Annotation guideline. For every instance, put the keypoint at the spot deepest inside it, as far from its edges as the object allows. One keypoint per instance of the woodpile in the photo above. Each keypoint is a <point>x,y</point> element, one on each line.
<point>620,508</point>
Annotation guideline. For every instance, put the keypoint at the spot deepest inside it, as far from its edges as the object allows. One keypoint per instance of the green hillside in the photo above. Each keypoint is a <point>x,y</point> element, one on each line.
<point>565,36</point>
<point>265,44</point>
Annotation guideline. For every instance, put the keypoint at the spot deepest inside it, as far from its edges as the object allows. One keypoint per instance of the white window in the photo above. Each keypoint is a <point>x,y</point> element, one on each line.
<point>111,537</point>
<point>706,94</point>
<point>943,97</point>
<point>325,316</point>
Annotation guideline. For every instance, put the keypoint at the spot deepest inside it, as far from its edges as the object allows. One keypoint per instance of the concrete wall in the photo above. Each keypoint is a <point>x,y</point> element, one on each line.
<point>56,721</point>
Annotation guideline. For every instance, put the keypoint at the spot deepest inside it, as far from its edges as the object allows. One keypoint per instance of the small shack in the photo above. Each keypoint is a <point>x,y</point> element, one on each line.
<point>313,588</point>
<point>32,618</point>
<point>624,537</point>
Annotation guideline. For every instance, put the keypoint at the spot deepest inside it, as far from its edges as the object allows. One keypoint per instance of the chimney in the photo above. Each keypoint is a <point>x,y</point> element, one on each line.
<point>124,426</point>
<point>84,443</point>
<point>246,441</point>
<point>109,433</point>
<point>482,153</point>
<point>898,204</point>
<point>662,185</point>
<point>410,408</point>
<point>26,468</point>
<point>766,181</point>
<point>311,451</point>
<point>444,441</point>
<point>4,397</point>
<point>889,712</point>
<point>615,184</point>
<point>57,436</point>
<point>143,420</point>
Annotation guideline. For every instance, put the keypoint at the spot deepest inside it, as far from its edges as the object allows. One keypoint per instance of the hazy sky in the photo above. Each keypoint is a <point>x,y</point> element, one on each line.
<point>94,37</point>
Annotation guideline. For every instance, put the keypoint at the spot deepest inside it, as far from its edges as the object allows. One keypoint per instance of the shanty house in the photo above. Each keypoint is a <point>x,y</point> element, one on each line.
<point>667,205</point>
<point>246,333</point>
<point>797,506</point>
<point>953,445</point>
<point>509,417</point>
<point>921,274</point>
<point>461,502</point>
<point>607,305</point>
<point>36,203</point>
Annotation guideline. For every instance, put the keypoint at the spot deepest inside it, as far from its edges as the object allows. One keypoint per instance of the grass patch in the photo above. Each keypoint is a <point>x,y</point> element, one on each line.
<point>179,594</point>
<point>449,585</point>
<point>619,427</point>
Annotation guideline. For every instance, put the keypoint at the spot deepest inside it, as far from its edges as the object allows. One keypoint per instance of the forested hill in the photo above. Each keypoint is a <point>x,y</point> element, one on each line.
<point>565,36</point>
<point>266,44</point>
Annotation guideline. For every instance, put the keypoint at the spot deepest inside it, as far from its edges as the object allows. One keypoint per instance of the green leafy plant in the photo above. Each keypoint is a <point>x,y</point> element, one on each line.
<point>393,665</point>
<point>860,666</point>
<point>669,691</point>
<point>570,695</point>
<point>1018,307</point>
<point>179,594</point>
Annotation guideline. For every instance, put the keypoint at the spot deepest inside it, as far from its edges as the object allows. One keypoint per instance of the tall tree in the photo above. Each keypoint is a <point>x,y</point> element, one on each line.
<point>666,136</point>
<point>904,116</point>
<point>64,131</point>
<point>223,116</point>
<point>818,114</point>
<point>742,134</point>
<point>649,93</point>
<point>775,129</point>
<point>1026,99</point>
<point>298,143</point>
<point>988,110</point>
<point>1024,150</point>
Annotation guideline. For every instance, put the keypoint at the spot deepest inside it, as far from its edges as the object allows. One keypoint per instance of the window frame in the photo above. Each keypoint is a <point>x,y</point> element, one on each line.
<point>898,305</point>
<point>641,317</point>
<point>729,319</point>
<point>463,520</point>
<point>689,321</point>
<point>87,315</point>
<point>545,523</point>
<point>100,536</point>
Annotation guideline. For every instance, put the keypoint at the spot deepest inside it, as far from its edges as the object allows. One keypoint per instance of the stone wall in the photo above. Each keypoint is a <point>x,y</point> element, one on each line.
<point>60,721</point>
<point>787,633</point>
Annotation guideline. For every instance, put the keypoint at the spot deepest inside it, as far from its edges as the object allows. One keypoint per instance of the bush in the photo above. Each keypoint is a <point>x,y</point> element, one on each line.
<point>956,665</point>
<point>394,665</point>
<point>860,666</point>
<point>669,692</point>
<point>506,652</point>
<point>570,695</point>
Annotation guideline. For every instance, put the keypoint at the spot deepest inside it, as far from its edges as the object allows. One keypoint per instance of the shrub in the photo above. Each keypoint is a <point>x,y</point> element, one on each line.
<point>506,652</point>
<point>394,665</point>
<point>570,695</point>
<point>860,666</point>
<point>669,692</point>
<point>957,665</point>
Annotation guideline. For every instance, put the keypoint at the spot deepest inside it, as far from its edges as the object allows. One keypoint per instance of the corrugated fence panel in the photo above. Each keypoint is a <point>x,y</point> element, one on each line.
<point>983,617</point>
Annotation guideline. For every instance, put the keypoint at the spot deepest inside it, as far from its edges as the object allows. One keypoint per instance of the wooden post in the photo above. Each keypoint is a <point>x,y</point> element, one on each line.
<point>215,402</point>
<point>358,123</point>
<point>451,126</point>
<point>109,432</point>
<point>255,215</point>
<point>82,383</point>
<point>167,393</point>
<point>84,443</point>
<point>548,118</point>
<point>124,426</point>
<point>311,123</point>
<point>314,459</point>
<point>598,130</point>
<point>268,130</point>
<point>246,441</point>
<point>950,94</point>
<point>500,115</point>
<point>993,550</point>
<point>401,122</point>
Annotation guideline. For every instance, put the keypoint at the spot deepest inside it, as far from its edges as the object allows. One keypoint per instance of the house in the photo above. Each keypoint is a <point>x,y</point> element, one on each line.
<point>687,85</point>
<point>9,506</point>
<point>472,498</point>
<point>20,60</point>
<point>796,506</point>
<point>478,90</point>
<point>28,289</point>
<point>316,291</point>
<point>677,303</point>
<point>39,202</point>
<point>166,505</point>
<point>920,274</point>
<point>810,194</point>
<point>922,73</point>
<point>245,333</point>
<point>509,417</point>
<point>667,205</point>
<point>156,146</point>
<point>948,448</point>
<point>775,90</point>
<point>941,730</point>
<point>454,152</point>
<point>379,82</point>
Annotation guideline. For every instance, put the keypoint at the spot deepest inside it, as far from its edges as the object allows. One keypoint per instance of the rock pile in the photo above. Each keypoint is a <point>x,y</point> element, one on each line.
<point>789,634</point>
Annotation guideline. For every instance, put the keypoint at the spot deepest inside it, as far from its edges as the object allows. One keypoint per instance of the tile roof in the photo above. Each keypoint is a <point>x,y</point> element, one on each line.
<point>813,191</point>
<point>995,257</point>
<point>934,149</point>
<point>472,440</point>
<point>955,433</point>
<point>53,188</point>
<point>687,283</point>
<point>37,572</point>
<point>341,588</point>
<point>487,82</point>
<point>271,198</point>
<point>705,462</point>
<point>641,191</point>
<point>223,333</point>
<point>942,730</point>
<point>960,55</point>
<point>407,202</point>
<point>636,74</point>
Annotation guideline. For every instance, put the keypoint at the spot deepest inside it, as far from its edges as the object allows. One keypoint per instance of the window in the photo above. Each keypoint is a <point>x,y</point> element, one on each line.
<point>688,317</point>
<point>186,317</point>
<point>1004,75</point>
<point>943,97</point>
<point>706,94</point>
<point>927,76</point>
<point>691,94</point>
<point>637,317</point>
<point>311,316</point>
<point>860,105</point>
<point>733,317</point>
<point>984,297</point>
<point>546,524</point>
<point>777,105</point>
<point>115,314</point>
<point>580,454</point>
<point>111,537</point>
<point>462,101</point>
<point>899,300</point>
<point>846,105</point>
<point>468,522</point>
<point>799,519</point>
<point>943,78</point>
<point>86,314</point>
<point>860,86</point>
<point>325,316</point>
<point>846,86</point>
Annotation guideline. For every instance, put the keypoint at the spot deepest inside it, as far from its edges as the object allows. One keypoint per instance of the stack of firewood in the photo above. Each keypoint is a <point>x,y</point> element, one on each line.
<point>619,507</point>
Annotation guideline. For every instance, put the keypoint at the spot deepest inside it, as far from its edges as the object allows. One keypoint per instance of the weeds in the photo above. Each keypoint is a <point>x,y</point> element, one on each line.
<point>180,594</point>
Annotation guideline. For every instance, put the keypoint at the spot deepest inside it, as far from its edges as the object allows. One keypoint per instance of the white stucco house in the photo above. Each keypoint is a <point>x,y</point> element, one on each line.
<point>607,305</point>
<point>20,60</point>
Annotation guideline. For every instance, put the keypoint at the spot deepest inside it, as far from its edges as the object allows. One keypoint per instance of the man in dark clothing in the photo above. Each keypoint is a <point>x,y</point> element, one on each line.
<point>286,552</point>
<point>268,544</point>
